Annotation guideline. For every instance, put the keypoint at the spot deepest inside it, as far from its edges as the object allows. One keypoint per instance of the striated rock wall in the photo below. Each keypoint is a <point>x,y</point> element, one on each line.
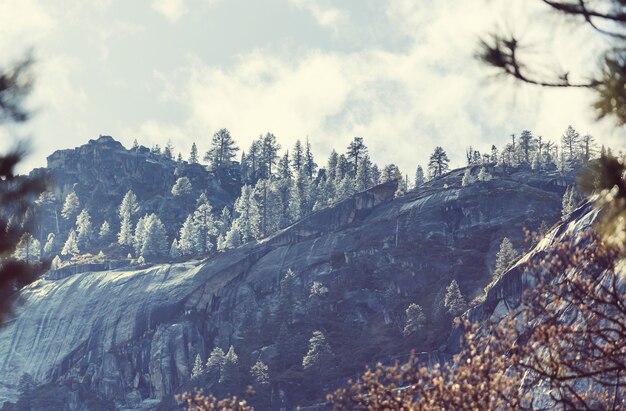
<point>128,337</point>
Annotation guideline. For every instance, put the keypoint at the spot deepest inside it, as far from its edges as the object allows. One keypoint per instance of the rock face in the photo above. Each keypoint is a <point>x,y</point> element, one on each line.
<point>126,338</point>
<point>102,171</point>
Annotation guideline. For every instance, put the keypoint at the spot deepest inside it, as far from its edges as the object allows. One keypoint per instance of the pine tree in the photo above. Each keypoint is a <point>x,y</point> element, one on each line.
<point>356,150</point>
<point>269,155</point>
<point>438,163</point>
<point>454,301</point>
<point>260,374</point>
<point>222,151</point>
<point>419,177</point>
<point>193,154</point>
<point>297,158</point>
<point>174,250</point>
<point>363,173</point>
<point>155,240</point>
<point>104,231</point>
<point>467,178</point>
<point>505,256</point>
<point>182,187</point>
<point>284,168</point>
<point>527,145</point>
<point>229,377</point>
<point>84,229</point>
<point>197,371</point>
<point>49,245</point>
<point>215,364</point>
<point>70,206</point>
<point>568,203</point>
<point>570,141</point>
<point>140,234</point>
<point>319,359</point>
<point>415,319</point>
<point>56,263</point>
<point>128,208</point>
<point>135,144</point>
<point>587,148</point>
<point>71,245</point>
<point>179,158</point>
<point>168,152</point>
<point>331,166</point>
<point>391,172</point>
<point>204,227</point>
<point>248,217</point>
<point>225,222</point>
<point>483,175</point>
<point>28,249</point>
<point>186,244</point>
<point>310,166</point>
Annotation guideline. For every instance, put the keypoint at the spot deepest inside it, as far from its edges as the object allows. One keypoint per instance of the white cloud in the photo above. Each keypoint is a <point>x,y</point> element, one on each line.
<point>324,14</point>
<point>172,10</point>
<point>403,102</point>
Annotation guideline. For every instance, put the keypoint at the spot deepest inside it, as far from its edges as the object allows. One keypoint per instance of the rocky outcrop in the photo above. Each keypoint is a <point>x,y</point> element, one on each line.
<point>129,336</point>
<point>102,171</point>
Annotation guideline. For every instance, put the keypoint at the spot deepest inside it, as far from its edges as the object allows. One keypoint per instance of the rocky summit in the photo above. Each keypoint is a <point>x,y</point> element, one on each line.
<point>126,335</point>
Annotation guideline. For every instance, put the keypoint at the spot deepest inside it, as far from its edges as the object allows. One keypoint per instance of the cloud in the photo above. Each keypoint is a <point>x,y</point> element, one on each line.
<point>404,102</point>
<point>172,10</point>
<point>324,14</point>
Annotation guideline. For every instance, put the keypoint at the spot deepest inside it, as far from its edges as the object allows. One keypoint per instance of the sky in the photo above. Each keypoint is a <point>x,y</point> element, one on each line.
<point>400,73</point>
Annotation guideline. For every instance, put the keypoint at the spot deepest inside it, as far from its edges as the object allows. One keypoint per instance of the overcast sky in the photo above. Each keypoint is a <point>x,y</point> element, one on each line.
<point>400,73</point>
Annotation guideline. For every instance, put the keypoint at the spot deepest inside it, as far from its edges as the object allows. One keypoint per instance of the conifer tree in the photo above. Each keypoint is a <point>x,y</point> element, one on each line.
<point>71,245</point>
<point>505,256</point>
<point>319,359</point>
<point>438,163</point>
<point>269,155</point>
<point>56,263</point>
<point>155,240</point>
<point>454,301</point>
<point>197,371</point>
<point>356,150</point>
<point>260,374</point>
<point>224,223</point>
<point>229,377</point>
<point>28,249</point>
<point>193,154</point>
<point>310,166</point>
<point>140,234</point>
<point>570,141</point>
<point>222,151</point>
<point>467,178</point>
<point>84,229</point>
<point>527,145</point>
<point>105,230</point>
<point>186,241</point>
<point>587,148</point>
<point>182,187</point>
<point>204,227</point>
<point>482,175</point>
<point>568,203</point>
<point>297,158</point>
<point>70,206</point>
<point>215,364</point>
<point>174,250</point>
<point>49,244</point>
<point>128,208</point>
<point>363,173</point>
<point>248,218</point>
<point>284,168</point>
<point>391,172</point>
<point>419,177</point>
<point>168,151</point>
<point>415,319</point>
<point>331,166</point>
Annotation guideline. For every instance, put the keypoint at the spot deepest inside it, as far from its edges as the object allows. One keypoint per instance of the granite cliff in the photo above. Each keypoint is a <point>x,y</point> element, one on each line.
<point>126,337</point>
